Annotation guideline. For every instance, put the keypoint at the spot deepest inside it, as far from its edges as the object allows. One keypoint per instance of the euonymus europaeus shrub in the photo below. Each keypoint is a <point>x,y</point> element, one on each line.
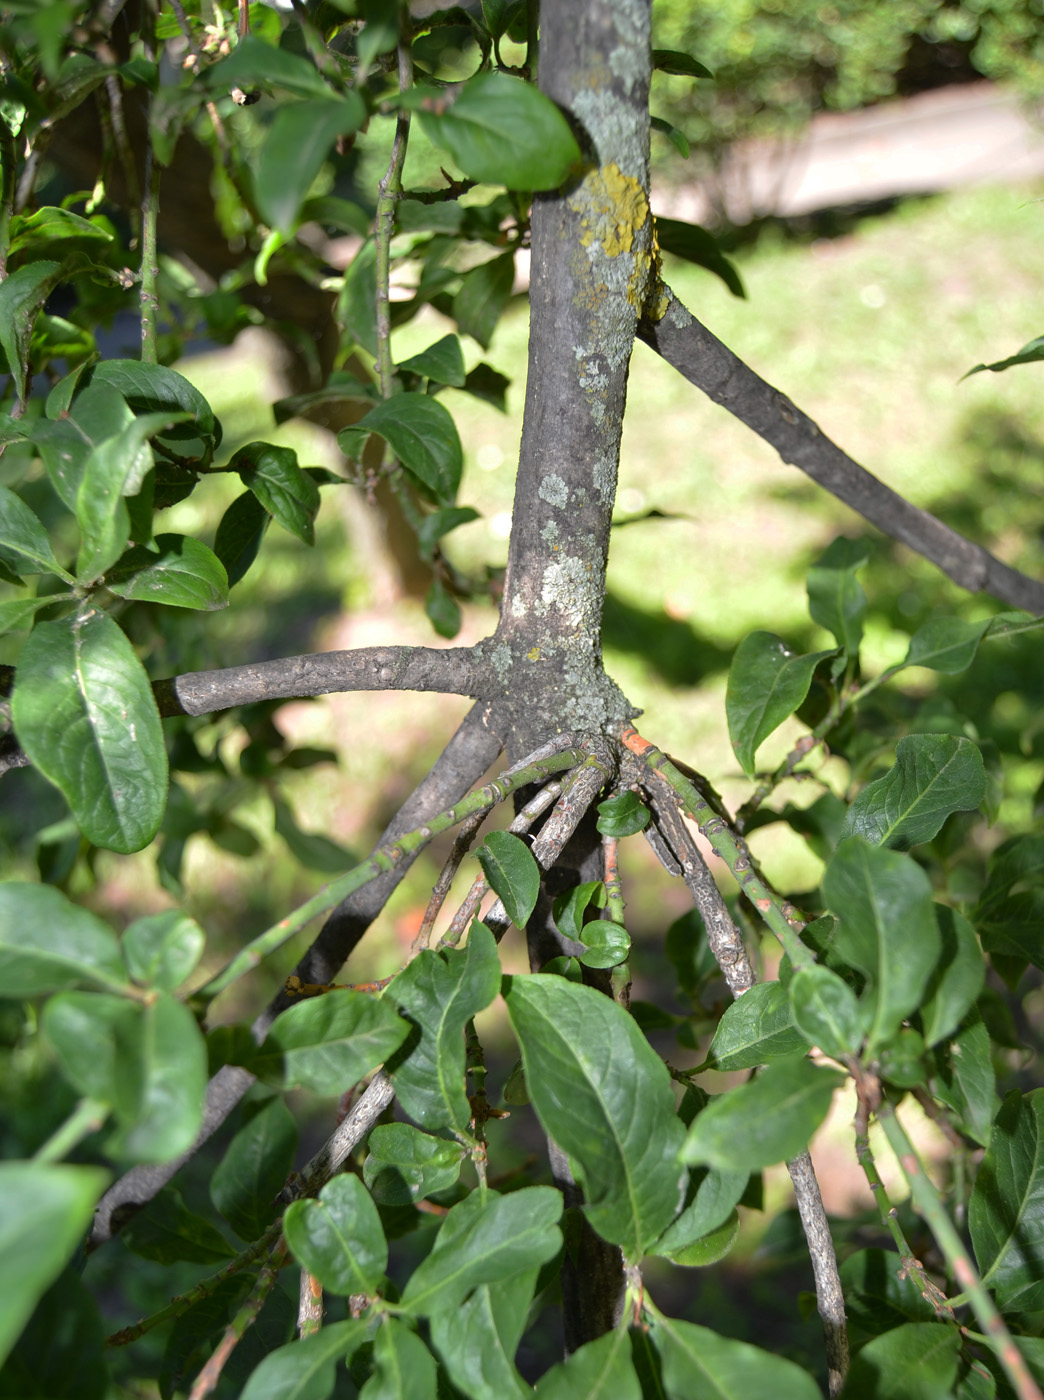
<point>409,1250</point>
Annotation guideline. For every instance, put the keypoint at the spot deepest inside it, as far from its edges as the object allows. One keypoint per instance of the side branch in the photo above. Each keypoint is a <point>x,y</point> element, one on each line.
<point>687,345</point>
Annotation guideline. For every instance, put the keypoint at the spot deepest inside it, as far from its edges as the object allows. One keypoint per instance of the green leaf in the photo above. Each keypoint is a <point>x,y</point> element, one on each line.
<point>965,1079</point>
<point>671,61</point>
<point>184,574</point>
<point>442,609</point>
<point>835,597</point>
<point>422,435</point>
<point>156,389</point>
<point>489,385</point>
<point>599,1370</point>
<point>755,1029</point>
<point>568,907</point>
<point>84,1031</point>
<point>439,523</point>
<point>1029,354</point>
<point>484,293</point>
<point>85,714</point>
<point>30,233</point>
<point>403,1367</point>
<point>297,144</point>
<point>769,1119</point>
<point>357,302</point>
<point>160,1081</point>
<point>163,949</point>
<point>44,1214</point>
<point>677,138</point>
<point>329,1042</point>
<point>957,978</point>
<point>880,1293</point>
<point>623,814</point>
<point>311,848</point>
<point>254,63</point>
<point>47,943</point>
<point>486,1238</point>
<point>915,1361</point>
<point>239,534</point>
<point>254,1169</point>
<point>19,611</point>
<point>699,1362</point>
<point>824,1009</point>
<point>166,1231</point>
<point>887,928</point>
<point>709,1248</point>
<point>440,993</point>
<point>934,775</point>
<point>699,247</point>
<point>404,1165</point>
<point>339,1238</point>
<point>61,1353</point>
<point>945,644</point>
<point>767,683</point>
<point>286,491</point>
<point>607,943</point>
<point>443,362</point>
<point>22,295</point>
<point>24,546</point>
<point>499,15</point>
<point>500,130</point>
<point>604,1095</point>
<point>513,874</point>
<point>710,1204</point>
<point>307,1369</point>
<point>476,1342</point>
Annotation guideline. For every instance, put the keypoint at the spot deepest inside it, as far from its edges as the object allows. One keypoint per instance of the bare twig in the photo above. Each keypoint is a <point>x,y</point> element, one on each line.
<point>830,1300</point>
<point>245,1317</point>
<point>687,345</point>
<point>310,1305</point>
<point>328,1161</point>
<point>148,299</point>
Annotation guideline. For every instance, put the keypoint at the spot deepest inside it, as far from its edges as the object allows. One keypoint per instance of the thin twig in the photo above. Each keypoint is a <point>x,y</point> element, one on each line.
<point>461,846</point>
<point>149,296</point>
<point>830,1300</point>
<point>87,1117</point>
<point>245,1317</point>
<point>348,1134</point>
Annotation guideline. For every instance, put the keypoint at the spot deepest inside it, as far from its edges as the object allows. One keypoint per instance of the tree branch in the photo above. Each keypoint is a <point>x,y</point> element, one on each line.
<point>683,342</point>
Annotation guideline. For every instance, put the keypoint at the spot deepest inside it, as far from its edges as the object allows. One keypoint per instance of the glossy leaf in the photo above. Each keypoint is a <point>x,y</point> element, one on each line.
<point>887,928</point>
<point>22,294</point>
<point>710,1200</point>
<point>163,949</point>
<point>604,1095</point>
<point>484,293</point>
<point>287,492</point>
<point>755,1029</point>
<point>440,993</point>
<point>914,1361</point>
<point>945,644</point>
<point>880,1293</point>
<point>327,1043</point>
<point>403,1367</point>
<point>24,545</point>
<point>306,1369</point>
<point>166,1231</point>
<point>513,874</point>
<point>160,1082</point>
<point>624,814</point>
<point>485,1239</point>
<point>184,574</point>
<point>934,775</point>
<point>404,1165</point>
<point>254,1169</point>
<point>239,534</point>
<point>501,131</point>
<point>697,1361</point>
<point>671,61</point>
<point>84,1031</point>
<point>339,1238</point>
<point>825,1011</point>
<point>767,683</point>
<point>835,597</point>
<point>966,1080</point>
<point>47,943</point>
<point>157,389</point>
<point>769,1119</point>
<point>568,908</point>
<point>44,1214</point>
<point>422,435</point>
<point>606,944</point>
<point>295,147</point>
<point>599,1370</point>
<point>957,978</point>
<point>443,362</point>
<point>476,1342</point>
<point>86,716</point>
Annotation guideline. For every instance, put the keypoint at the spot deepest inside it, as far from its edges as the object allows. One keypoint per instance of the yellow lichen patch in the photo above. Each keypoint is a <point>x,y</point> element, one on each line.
<point>533,654</point>
<point>612,207</point>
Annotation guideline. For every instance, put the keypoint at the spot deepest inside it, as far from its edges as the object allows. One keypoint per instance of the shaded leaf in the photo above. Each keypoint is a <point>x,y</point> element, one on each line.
<point>914,1361</point>
<point>339,1238</point>
<point>767,683</point>
<point>403,1367</point>
<point>443,361</point>
<point>47,943</point>
<point>697,1361</point>
<point>442,609</point>
<point>476,1342</point>
<point>568,908</point>
<point>945,644</point>
<point>305,1370</point>
<point>599,1370</point>
<point>755,1029</point>
<point>404,1165</point>
<point>253,62</point>
<point>86,716</point>
<point>357,302</point>
<point>604,1095</point>
<point>513,874</point>
<point>295,147</point>
<point>239,534</point>
<point>166,1231</point>
<point>710,1203</point>
<point>439,523</point>
<point>157,389</point>
<point>824,1009</point>
<point>83,1030</point>
<point>329,1042</point>
<point>422,435</point>
<point>184,574</point>
<point>1029,354</point>
<point>160,1081</point>
<point>607,944</point>
<point>311,848</point>
<point>61,1353</point>
<point>623,814</point>
<point>698,246</point>
<point>287,492</point>
<point>769,1119</point>
<point>677,138</point>
<point>934,775</point>
<point>254,1169</point>
<point>671,61</point>
<point>965,1079</point>
<point>957,978</point>
<point>835,597</point>
<point>24,545</point>
<point>22,294</point>
<point>488,384</point>
<point>880,1293</point>
<point>484,293</point>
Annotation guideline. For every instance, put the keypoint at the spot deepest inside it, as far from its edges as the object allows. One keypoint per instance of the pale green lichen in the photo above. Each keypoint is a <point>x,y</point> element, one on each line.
<point>565,588</point>
<point>554,491</point>
<point>549,534</point>
<point>678,316</point>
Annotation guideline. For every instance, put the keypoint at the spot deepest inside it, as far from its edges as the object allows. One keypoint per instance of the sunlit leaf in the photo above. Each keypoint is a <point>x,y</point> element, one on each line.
<point>767,683</point>
<point>338,1237</point>
<point>404,1165</point>
<point>511,869</point>
<point>422,435</point>
<point>934,775</point>
<point>184,574</point>
<point>327,1043</point>
<point>755,1029</point>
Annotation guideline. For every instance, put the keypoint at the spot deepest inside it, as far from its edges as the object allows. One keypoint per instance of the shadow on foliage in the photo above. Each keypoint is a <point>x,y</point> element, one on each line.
<point>668,646</point>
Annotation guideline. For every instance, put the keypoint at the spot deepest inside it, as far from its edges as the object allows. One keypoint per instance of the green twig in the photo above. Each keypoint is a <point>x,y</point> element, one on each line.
<point>245,1317</point>
<point>928,1201</point>
<point>86,1118</point>
<point>149,297</point>
<point>778,913</point>
<point>386,857</point>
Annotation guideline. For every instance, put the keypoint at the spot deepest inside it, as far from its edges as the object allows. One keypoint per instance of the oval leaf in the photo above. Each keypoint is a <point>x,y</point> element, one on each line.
<point>306,1370</point>
<point>934,775</point>
<point>476,1342</point>
<point>945,644</point>
<point>297,143</point>
<point>835,597</point>
<point>286,492</point>
<point>607,943</point>
<point>404,1165</point>
<point>623,814</point>
<point>253,1171</point>
<point>1004,1215</point>
<point>329,1042</point>
<point>24,546</point>
<point>422,435</point>
<point>599,1370</point>
<point>914,1359</point>
<point>160,1081</point>
<point>697,1361</point>
<point>511,869</point>
<point>162,949</point>
<point>86,716</point>
<point>157,389</point>
<point>824,1009</point>
<point>767,683</point>
<point>47,943</point>
<point>754,1030</point>
<point>339,1238</point>
<point>184,574</point>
